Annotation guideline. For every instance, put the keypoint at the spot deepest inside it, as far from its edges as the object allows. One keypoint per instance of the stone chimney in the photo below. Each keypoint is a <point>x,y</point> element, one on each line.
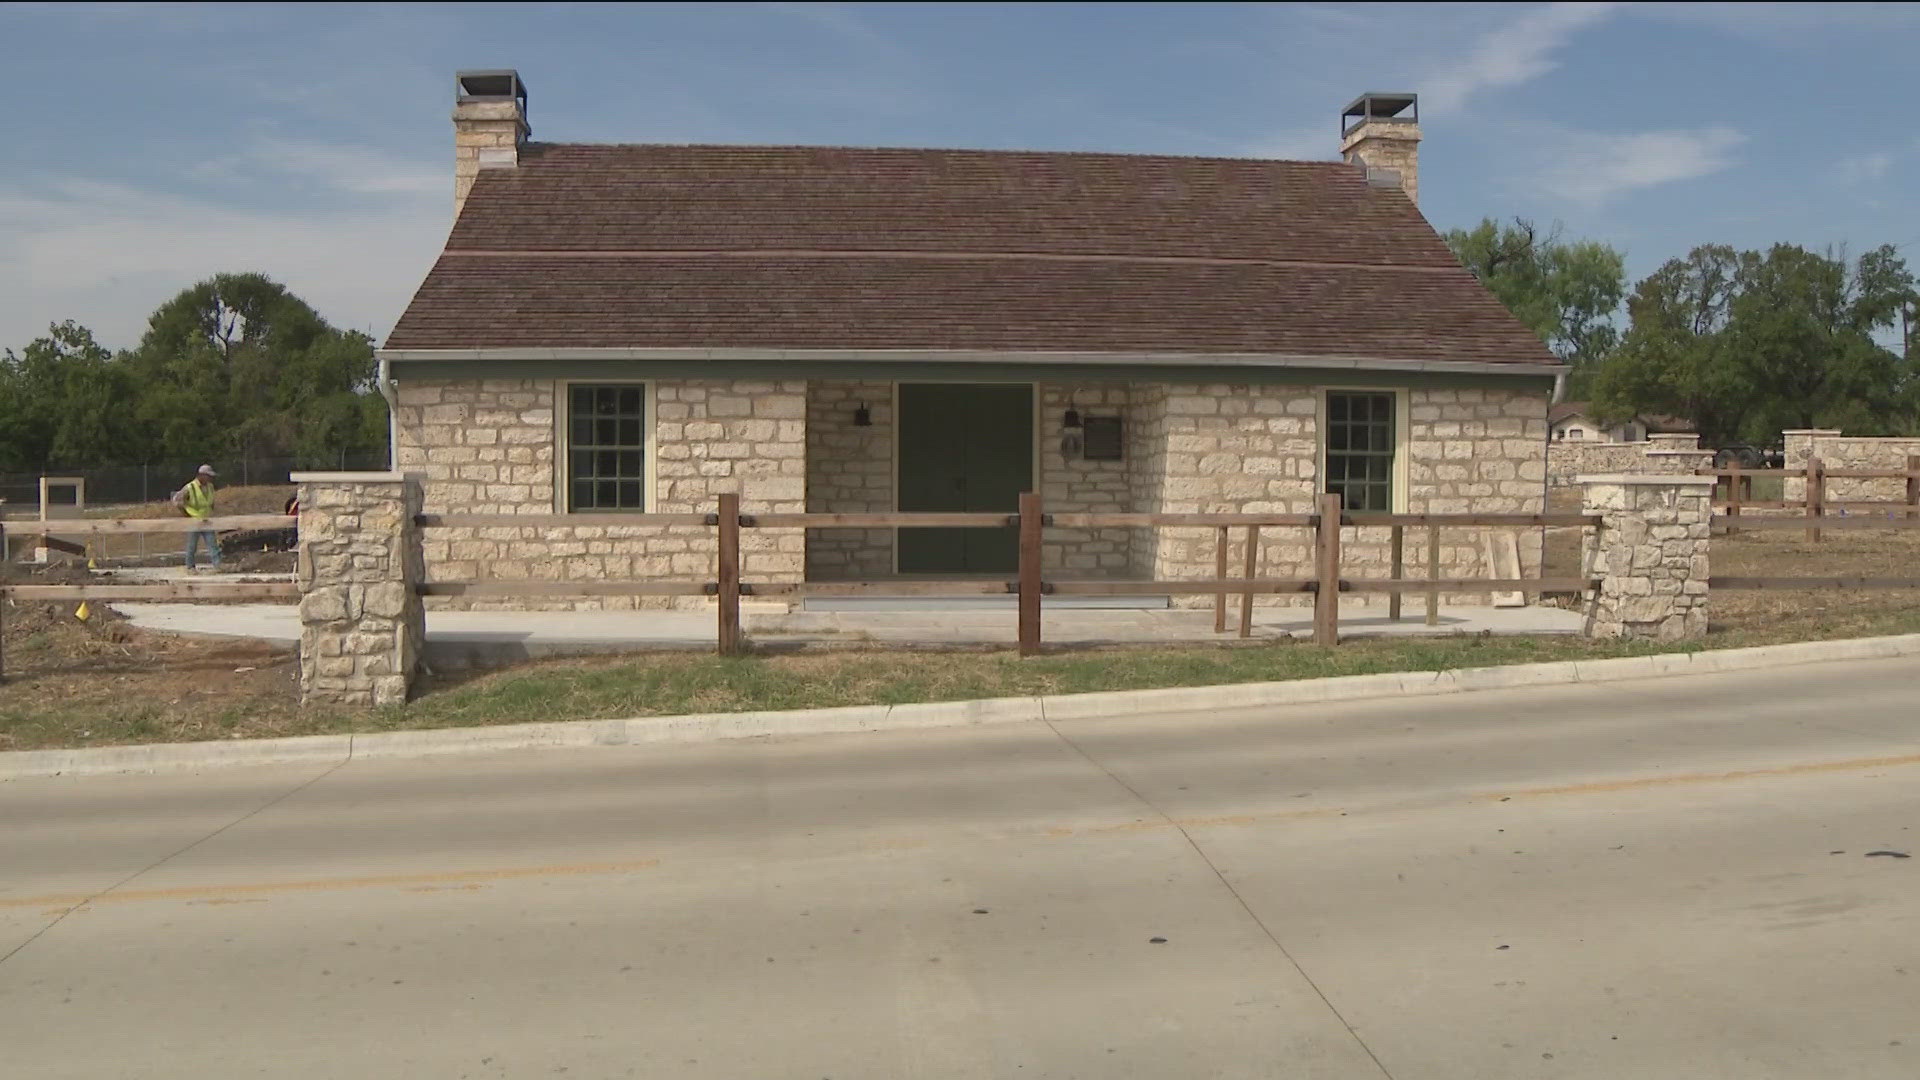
<point>489,126</point>
<point>1381,133</point>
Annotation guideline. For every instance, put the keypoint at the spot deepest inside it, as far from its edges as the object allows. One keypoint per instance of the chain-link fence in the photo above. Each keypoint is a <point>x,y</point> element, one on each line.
<point>121,485</point>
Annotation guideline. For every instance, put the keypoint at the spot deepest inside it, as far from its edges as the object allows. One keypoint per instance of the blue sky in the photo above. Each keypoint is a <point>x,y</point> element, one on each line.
<point>147,147</point>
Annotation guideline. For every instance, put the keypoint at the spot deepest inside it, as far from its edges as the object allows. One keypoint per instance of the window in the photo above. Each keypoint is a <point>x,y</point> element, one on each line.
<point>1360,449</point>
<point>1576,434</point>
<point>606,447</point>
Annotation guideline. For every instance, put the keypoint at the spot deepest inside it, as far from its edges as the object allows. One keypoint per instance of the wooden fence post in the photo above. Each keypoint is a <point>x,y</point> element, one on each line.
<point>1433,574</point>
<point>1253,566</point>
<point>1733,493</point>
<point>729,570</point>
<point>1219,575</point>
<point>1326,597</point>
<point>1816,497</point>
<point>1397,550</point>
<point>1913,485</point>
<point>1030,584</point>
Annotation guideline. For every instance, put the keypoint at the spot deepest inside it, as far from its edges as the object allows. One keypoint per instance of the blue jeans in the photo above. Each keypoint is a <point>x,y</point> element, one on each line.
<point>213,546</point>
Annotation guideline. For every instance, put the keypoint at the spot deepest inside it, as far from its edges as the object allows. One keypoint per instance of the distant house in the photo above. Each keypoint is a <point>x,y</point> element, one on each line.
<point>1572,421</point>
<point>628,328</point>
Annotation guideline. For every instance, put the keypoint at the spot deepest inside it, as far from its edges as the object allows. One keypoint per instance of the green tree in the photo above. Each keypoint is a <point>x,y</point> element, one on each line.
<point>1805,326</point>
<point>1744,344</point>
<point>1565,291</point>
<point>63,402</point>
<point>237,365</point>
<point>1678,358</point>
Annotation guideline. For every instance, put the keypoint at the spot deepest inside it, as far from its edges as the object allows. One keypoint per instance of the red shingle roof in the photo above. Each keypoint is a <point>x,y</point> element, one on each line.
<point>717,247</point>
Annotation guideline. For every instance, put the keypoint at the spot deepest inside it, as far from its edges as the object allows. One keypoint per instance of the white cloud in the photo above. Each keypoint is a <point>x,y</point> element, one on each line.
<point>106,255</point>
<point>1591,167</point>
<point>1301,142</point>
<point>352,169</point>
<point>1518,52</point>
<point>1864,168</point>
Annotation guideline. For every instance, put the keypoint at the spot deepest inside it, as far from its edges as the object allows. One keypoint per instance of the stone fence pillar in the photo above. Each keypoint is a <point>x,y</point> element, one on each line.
<point>1651,555</point>
<point>1797,445</point>
<point>362,624</point>
<point>1677,454</point>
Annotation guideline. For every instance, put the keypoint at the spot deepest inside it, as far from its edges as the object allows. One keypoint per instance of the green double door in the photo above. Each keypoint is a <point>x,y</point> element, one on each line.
<point>964,448</point>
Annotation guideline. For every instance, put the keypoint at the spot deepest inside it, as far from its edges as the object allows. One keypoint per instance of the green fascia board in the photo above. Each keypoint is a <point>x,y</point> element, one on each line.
<point>937,371</point>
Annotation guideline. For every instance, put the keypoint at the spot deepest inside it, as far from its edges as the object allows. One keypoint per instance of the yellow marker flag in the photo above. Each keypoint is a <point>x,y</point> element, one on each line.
<point>81,612</point>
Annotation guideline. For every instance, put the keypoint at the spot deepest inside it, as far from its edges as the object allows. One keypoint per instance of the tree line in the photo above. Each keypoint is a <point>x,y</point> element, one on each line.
<point>235,366</point>
<point>1738,344</point>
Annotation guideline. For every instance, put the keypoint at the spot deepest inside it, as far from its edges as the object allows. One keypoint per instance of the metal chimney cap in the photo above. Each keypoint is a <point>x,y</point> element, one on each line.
<point>489,84</point>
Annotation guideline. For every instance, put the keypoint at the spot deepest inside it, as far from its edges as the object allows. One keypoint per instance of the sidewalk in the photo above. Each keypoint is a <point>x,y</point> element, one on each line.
<point>457,638</point>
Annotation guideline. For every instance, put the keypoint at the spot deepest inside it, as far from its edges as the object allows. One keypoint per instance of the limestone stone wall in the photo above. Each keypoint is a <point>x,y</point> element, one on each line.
<point>1146,433</point>
<point>1841,451</point>
<point>1256,449</point>
<point>362,624</point>
<point>849,471</point>
<point>489,446</point>
<point>1650,554</point>
<point>1070,484</point>
<point>1675,454</point>
<point>1568,461</point>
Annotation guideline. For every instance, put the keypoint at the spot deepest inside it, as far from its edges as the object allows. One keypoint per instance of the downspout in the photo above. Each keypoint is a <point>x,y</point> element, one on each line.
<point>383,381</point>
<point>1559,387</point>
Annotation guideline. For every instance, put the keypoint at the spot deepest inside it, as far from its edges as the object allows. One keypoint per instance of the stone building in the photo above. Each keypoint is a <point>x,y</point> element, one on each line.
<point>631,328</point>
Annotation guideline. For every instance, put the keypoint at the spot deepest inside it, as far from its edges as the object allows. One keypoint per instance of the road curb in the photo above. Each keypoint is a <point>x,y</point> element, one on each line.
<point>325,749</point>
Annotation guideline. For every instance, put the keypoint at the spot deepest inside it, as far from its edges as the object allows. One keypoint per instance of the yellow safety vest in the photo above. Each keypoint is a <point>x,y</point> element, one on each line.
<point>197,499</point>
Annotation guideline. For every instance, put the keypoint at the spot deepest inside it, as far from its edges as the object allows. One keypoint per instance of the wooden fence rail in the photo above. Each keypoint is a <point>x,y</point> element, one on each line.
<point>1814,504</point>
<point>1029,586</point>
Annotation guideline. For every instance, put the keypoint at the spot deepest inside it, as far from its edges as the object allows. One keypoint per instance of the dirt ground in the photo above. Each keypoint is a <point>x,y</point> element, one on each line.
<point>143,686</point>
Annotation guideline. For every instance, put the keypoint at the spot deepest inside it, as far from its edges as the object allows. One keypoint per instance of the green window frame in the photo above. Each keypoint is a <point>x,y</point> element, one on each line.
<point>1361,449</point>
<point>606,447</point>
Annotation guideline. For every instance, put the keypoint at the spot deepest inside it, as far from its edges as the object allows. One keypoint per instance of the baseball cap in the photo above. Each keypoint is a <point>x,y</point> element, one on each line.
<point>208,469</point>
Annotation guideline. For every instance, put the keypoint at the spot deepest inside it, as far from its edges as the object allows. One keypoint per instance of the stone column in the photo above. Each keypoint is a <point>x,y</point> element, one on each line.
<point>1677,454</point>
<point>1651,556</point>
<point>1799,444</point>
<point>362,624</point>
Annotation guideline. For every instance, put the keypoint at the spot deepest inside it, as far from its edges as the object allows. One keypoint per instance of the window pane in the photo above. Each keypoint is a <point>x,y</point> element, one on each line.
<point>606,459</point>
<point>1360,449</point>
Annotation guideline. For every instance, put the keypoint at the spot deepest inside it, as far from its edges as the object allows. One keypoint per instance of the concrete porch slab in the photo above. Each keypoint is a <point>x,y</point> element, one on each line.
<point>465,638</point>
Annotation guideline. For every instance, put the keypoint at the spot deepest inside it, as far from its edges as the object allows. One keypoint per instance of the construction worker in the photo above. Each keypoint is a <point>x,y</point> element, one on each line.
<point>196,501</point>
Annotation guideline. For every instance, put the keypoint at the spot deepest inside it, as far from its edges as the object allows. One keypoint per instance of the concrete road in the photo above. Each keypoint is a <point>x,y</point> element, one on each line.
<point>1668,878</point>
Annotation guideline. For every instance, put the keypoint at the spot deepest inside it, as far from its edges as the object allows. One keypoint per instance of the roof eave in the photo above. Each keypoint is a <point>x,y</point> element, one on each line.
<point>1534,369</point>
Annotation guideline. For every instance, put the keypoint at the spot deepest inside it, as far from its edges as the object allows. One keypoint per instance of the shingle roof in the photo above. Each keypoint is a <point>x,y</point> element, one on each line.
<point>791,247</point>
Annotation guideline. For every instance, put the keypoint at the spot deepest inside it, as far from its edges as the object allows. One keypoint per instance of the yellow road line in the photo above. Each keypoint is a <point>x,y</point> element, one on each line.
<point>1598,786</point>
<point>375,881</point>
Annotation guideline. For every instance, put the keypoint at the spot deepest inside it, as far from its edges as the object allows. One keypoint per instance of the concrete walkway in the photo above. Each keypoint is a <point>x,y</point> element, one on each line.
<point>490,636</point>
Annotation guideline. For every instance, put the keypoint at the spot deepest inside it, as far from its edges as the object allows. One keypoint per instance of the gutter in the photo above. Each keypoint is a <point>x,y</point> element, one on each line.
<point>383,381</point>
<point>956,356</point>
